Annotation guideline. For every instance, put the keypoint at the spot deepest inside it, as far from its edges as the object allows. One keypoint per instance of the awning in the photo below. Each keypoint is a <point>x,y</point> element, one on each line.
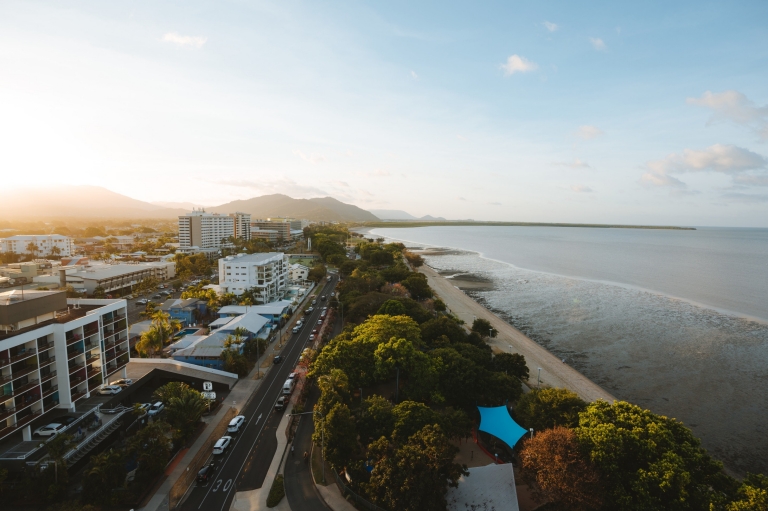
<point>496,421</point>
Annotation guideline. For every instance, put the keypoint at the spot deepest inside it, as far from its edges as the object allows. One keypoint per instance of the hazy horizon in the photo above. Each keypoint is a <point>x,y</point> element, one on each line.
<point>633,114</point>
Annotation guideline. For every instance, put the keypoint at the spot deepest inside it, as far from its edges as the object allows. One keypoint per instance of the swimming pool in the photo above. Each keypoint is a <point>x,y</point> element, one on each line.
<point>186,331</point>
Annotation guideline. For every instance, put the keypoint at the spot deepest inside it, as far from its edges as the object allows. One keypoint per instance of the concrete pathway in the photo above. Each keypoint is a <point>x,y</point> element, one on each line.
<point>554,373</point>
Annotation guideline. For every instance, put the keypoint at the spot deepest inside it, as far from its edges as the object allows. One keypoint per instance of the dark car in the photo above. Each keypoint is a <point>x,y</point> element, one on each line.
<point>206,473</point>
<point>277,359</point>
<point>66,420</point>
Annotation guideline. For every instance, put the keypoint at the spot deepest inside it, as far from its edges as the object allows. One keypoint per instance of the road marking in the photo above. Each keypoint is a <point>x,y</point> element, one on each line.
<point>216,486</point>
<point>227,485</point>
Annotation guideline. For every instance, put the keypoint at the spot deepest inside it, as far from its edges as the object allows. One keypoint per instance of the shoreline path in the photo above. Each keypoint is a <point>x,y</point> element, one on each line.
<point>554,373</point>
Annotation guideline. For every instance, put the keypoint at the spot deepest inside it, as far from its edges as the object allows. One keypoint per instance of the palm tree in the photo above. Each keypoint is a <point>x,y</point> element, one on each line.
<point>184,411</point>
<point>150,343</point>
<point>32,248</point>
<point>55,251</point>
<point>165,325</point>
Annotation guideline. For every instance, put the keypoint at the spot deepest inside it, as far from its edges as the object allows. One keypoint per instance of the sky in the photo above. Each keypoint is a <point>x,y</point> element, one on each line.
<point>593,111</point>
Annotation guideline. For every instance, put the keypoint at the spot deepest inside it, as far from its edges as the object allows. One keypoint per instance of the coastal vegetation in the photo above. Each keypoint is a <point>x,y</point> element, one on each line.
<point>516,224</point>
<point>423,374</point>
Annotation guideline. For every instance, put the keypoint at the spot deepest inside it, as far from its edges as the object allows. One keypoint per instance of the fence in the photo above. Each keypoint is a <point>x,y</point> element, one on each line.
<point>188,476</point>
<point>357,499</point>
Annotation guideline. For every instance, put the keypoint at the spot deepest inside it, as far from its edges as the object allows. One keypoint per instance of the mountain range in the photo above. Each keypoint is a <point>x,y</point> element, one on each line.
<point>398,214</point>
<point>80,201</point>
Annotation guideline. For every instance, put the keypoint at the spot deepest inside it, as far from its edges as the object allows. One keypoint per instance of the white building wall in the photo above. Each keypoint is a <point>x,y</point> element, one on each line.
<point>266,273</point>
<point>45,243</point>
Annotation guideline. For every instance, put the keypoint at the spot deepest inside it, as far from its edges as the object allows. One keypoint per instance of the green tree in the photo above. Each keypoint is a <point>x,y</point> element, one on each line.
<point>184,412</point>
<point>415,476</point>
<point>33,249</point>
<point>409,418</point>
<point>99,292</point>
<point>547,408</point>
<point>511,363</point>
<point>376,419</point>
<point>648,461</point>
<point>418,287</point>
<point>317,273</point>
<point>151,446</point>
<point>752,494</point>
<point>392,308</point>
<point>435,328</point>
<point>340,435</point>
<point>482,327</point>
<point>104,473</point>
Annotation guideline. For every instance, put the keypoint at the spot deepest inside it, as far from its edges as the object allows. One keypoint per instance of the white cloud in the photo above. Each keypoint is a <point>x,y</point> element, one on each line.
<point>552,27</point>
<point>597,43</point>
<point>517,64</point>
<point>588,132</point>
<point>734,106</point>
<point>313,158</point>
<point>494,203</point>
<point>745,197</point>
<point>751,180</point>
<point>462,138</point>
<point>581,189</point>
<point>284,186</point>
<point>726,159</point>
<point>185,40</point>
<point>575,164</point>
<point>414,75</point>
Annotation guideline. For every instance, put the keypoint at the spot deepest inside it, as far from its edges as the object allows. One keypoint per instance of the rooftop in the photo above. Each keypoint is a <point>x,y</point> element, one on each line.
<point>260,258</point>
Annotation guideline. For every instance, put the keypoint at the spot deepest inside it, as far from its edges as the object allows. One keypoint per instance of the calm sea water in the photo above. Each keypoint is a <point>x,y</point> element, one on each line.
<point>676,321</point>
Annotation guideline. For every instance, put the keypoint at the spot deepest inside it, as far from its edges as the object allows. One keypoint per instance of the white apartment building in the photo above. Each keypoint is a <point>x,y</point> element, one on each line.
<point>54,352</point>
<point>266,274</point>
<point>45,244</point>
<point>205,230</point>
<point>298,272</point>
<point>242,223</point>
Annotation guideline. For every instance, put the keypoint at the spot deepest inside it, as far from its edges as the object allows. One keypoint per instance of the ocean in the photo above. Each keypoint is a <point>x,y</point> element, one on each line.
<point>673,320</point>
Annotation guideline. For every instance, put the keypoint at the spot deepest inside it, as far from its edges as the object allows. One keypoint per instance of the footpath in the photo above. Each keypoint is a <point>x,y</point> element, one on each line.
<point>238,398</point>
<point>554,372</point>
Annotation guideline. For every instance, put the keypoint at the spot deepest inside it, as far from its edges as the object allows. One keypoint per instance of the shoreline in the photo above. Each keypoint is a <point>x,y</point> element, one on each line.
<point>554,372</point>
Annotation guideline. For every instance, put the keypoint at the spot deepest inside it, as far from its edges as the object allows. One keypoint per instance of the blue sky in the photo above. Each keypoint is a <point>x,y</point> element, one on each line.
<point>650,112</point>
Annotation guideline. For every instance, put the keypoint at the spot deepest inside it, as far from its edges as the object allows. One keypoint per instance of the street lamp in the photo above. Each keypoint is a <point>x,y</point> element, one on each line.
<point>538,380</point>
<point>491,333</point>
<point>531,432</point>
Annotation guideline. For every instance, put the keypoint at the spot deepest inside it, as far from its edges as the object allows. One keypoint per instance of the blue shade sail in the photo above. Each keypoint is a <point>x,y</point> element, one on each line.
<point>496,421</point>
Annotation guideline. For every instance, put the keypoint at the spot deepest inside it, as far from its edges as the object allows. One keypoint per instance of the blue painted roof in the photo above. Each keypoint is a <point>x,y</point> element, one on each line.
<point>497,422</point>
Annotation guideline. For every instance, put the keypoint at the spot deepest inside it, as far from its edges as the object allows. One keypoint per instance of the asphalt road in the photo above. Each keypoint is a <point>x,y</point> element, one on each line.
<point>299,488</point>
<point>244,465</point>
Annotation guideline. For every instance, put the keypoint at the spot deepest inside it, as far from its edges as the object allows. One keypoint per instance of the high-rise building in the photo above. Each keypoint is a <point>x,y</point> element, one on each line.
<point>54,352</point>
<point>205,230</point>
<point>242,225</point>
<point>281,225</point>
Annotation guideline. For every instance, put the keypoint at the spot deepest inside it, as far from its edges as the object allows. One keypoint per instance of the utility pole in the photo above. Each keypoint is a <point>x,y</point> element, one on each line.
<point>397,384</point>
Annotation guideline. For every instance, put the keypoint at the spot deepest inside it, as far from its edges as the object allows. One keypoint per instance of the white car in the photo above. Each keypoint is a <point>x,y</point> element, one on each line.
<point>293,376</point>
<point>235,424</point>
<point>49,430</point>
<point>156,408</point>
<point>222,444</point>
<point>108,390</point>
<point>122,382</point>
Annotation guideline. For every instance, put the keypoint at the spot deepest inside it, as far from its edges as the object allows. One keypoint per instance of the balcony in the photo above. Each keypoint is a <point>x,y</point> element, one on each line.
<point>77,395</point>
<point>93,371</point>
<point>18,373</point>
<point>76,380</point>
<point>49,376</point>
<point>7,411</point>
<point>107,333</point>
<point>19,356</point>
<point>110,355</point>
<point>74,338</point>
<point>28,418</point>
<point>5,377</point>
<point>47,361</point>
<point>110,344</point>
<point>41,347</point>
<point>87,332</point>
<point>30,384</point>
<point>75,366</point>
<point>53,388</point>
<point>73,353</point>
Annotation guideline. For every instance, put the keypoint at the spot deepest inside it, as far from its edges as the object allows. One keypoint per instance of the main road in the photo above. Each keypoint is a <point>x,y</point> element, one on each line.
<point>244,465</point>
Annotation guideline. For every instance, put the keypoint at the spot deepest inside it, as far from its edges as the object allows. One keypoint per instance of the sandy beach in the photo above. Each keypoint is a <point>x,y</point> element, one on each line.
<point>554,372</point>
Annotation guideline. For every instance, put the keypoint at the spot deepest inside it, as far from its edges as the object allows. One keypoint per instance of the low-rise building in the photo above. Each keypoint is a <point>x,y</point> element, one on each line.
<point>54,352</point>
<point>184,310</point>
<point>38,244</point>
<point>116,279</point>
<point>298,272</point>
<point>265,274</point>
<point>280,225</point>
<point>273,311</point>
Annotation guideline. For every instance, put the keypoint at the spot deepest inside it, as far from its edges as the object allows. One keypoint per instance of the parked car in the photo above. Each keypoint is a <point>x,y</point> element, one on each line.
<point>145,406</point>
<point>206,473</point>
<point>322,297</point>
<point>222,444</point>
<point>157,296</point>
<point>142,301</point>
<point>310,310</point>
<point>161,286</point>
<point>314,301</point>
<point>66,420</point>
<point>292,376</point>
<point>122,382</point>
<point>235,424</point>
<point>281,402</point>
<point>277,359</point>
<point>156,408</point>
<point>108,390</point>
<point>49,429</point>
<point>319,322</point>
<point>296,329</point>
<point>312,337</point>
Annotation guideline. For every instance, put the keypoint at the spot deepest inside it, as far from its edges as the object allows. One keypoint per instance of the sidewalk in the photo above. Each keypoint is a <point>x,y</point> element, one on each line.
<point>333,498</point>
<point>256,500</point>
